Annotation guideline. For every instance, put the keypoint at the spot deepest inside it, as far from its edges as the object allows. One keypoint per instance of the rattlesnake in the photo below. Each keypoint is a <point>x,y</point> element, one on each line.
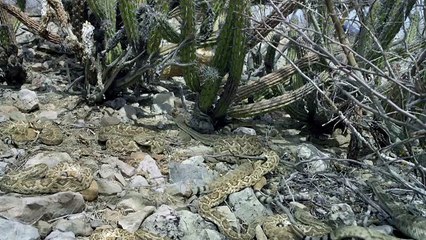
<point>118,233</point>
<point>246,175</point>
<point>40,179</point>
<point>23,132</point>
<point>123,138</point>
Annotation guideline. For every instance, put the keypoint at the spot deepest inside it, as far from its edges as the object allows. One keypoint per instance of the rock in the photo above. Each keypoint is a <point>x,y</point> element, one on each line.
<point>246,206</point>
<point>51,115</point>
<point>38,67</point>
<point>135,201</point>
<point>343,212</point>
<point>148,166</point>
<point>193,226</point>
<point>137,182</point>
<point>15,230</point>
<point>200,173</point>
<point>49,158</point>
<point>245,131</point>
<point>108,187</point>
<point>44,228</point>
<point>108,121</point>
<point>163,103</point>
<point>163,222</point>
<point>125,168</point>
<point>27,101</point>
<point>3,166</point>
<point>311,153</point>
<point>91,194</point>
<point>116,103</point>
<point>58,235</point>
<point>106,171</point>
<point>132,221</point>
<point>77,226</point>
<point>10,112</point>
<point>32,209</point>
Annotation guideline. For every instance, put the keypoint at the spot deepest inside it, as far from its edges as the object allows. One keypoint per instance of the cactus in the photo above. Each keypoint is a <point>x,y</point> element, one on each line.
<point>105,10</point>
<point>187,52</point>
<point>230,53</point>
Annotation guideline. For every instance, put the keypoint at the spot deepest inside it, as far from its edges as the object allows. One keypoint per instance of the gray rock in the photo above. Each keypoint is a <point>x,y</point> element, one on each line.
<point>15,230</point>
<point>310,152</point>
<point>106,171</point>
<point>108,121</point>
<point>149,165</point>
<point>108,187</point>
<point>125,168</point>
<point>163,103</point>
<point>200,173</point>
<point>193,226</point>
<point>32,209</point>
<point>344,213</point>
<point>163,222</point>
<point>27,100</point>
<point>137,182</point>
<point>3,167</point>
<point>44,228</point>
<point>132,221</point>
<point>134,201</point>
<point>246,205</point>
<point>51,115</point>
<point>77,226</point>
<point>58,235</point>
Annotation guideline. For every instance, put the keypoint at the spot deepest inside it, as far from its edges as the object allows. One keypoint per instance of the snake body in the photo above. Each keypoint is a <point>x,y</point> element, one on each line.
<point>39,179</point>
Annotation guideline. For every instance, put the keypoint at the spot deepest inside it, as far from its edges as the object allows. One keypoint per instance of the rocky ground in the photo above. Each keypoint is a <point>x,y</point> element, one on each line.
<point>150,191</point>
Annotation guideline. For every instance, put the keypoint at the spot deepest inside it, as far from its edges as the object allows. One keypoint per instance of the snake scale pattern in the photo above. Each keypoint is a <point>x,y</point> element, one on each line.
<point>40,179</point>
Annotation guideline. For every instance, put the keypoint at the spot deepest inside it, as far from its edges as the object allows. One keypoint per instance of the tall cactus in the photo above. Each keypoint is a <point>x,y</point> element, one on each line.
<point>230,52</point>
<point>188,49</point>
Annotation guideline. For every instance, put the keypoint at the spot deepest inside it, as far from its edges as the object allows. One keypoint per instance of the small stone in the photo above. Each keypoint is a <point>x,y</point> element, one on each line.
<point>163,103</point>
<point>125,168</point>
<point>108,187</point>
<point>91,194</point>
<point>106,171</point>
<point>245,131</point>
<point>132,221</point>
<point>137,182</point>
<point>44,228</point>
<point>27,101</point>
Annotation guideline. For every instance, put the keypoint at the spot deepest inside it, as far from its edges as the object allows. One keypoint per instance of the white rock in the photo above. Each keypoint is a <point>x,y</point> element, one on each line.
<point>149,166</point>
<point>27,100</point>
<point>137,182</point>
<point>245,131</point>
